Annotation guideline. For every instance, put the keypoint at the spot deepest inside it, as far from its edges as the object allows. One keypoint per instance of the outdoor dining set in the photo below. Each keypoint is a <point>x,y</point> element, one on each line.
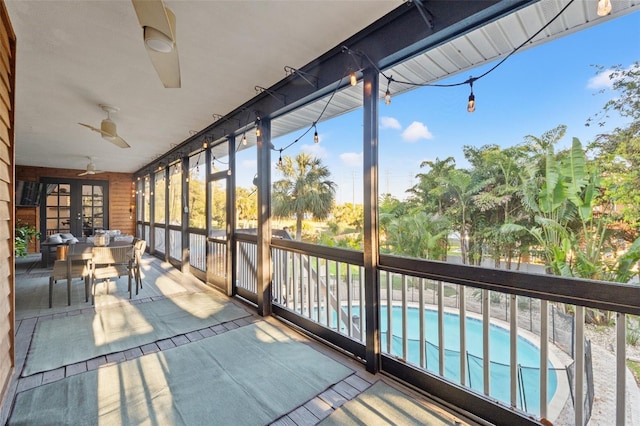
<point>98,261</point>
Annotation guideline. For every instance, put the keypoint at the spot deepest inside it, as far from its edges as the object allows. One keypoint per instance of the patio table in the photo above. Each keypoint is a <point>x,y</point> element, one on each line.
<point>84,251</point>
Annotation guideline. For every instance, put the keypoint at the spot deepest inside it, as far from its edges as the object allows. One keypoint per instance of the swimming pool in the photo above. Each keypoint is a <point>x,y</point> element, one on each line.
<point>499,352</point>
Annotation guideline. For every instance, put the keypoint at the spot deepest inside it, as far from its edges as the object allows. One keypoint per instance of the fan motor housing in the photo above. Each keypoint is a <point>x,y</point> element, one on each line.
<point>109,127</point>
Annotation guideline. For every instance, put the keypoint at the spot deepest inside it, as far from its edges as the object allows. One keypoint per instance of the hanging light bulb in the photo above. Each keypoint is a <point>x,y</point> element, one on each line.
<point>387,95</point>
<point>471,105</point>
<point>353,78</point>
<point>280,159</point>
<point>604,7</point>
<point>244,139</point>
<point>316,138</point>
<point>258,131</point>
<point>204,144</point>
<point>229,172</point>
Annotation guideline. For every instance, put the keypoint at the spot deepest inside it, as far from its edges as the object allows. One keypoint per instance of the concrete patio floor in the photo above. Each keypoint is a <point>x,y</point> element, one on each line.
<point>161,280</point>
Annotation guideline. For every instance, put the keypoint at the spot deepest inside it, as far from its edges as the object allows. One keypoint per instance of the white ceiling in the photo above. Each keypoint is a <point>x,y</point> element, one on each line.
<point>74,55</point>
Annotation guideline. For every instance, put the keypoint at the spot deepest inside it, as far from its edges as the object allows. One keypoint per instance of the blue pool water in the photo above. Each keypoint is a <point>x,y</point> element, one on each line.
<point>499,344</point>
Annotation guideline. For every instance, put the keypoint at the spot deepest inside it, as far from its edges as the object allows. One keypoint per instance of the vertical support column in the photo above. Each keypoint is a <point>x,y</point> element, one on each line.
<point>207,210</point>
<point>513,349</point>
<point>370,200</point>
<point>167,244</point>
<point>578,390</point>
<point>621,368</point>
<point>231,219</point>
<point>264,219</point>
<point>184,228</point>
<point>544,356</point>
<point>152,212</point>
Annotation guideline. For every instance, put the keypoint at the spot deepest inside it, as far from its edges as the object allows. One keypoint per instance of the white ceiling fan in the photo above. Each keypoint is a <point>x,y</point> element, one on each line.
<point>159,31</point>
<point>91,169</point>
<point>108,128</point>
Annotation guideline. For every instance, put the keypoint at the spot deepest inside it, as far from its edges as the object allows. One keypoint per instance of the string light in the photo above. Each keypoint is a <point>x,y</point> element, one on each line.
<point>258,131</point>
<point>316,138</point>
<point>471,105</point>
<point>244,139</point>
<point>280,159</point>
<point>387,95</point>
<point>604,7</point>
<point>353,78</point>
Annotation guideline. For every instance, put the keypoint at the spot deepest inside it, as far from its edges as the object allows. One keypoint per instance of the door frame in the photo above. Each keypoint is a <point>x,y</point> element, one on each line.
<point>75,186</point>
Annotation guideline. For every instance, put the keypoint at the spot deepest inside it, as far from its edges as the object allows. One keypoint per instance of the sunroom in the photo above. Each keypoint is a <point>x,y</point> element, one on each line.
<point>287,167</point>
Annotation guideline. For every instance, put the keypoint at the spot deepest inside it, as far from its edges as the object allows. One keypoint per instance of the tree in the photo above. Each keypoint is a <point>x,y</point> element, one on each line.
<point>418,235</point>
<point>461,187</point>
<point>429,192</point>
<point>618,152</point>
<point>304,188</point>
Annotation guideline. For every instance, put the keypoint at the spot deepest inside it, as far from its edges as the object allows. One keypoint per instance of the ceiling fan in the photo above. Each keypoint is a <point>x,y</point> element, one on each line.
<point>91,169</point>
<point>159,31</point>
<point>108,128</point>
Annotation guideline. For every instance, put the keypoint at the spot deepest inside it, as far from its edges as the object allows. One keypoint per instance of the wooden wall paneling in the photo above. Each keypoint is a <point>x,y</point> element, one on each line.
<point>4,133</point>
<point>7,257</point>
<point>119,192</point>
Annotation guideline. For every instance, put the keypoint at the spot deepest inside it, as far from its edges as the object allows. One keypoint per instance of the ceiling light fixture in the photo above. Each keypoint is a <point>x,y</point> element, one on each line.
<point>387,95</point>
<point>157,40</point>
<point>604,7</point>
<point>471,105</point>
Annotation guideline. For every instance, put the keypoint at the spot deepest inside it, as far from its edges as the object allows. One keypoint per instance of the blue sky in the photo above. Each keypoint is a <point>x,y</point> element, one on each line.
<point>532,92</point>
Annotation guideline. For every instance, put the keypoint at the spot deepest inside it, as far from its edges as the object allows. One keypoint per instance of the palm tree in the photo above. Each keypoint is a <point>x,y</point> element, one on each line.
<point>304,188</point>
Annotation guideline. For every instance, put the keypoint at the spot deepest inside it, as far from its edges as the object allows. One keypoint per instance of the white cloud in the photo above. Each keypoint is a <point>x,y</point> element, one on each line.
<point>601,80</point>
<point>315,150</point>
<point>604,81</point>
<point>389,123</point>
<point>249,164</point>
<point>351,159</point>
<point>415,132</point>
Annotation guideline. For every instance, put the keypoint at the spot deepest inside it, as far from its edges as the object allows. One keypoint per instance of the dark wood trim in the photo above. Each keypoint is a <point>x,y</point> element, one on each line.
<point>607,296</point>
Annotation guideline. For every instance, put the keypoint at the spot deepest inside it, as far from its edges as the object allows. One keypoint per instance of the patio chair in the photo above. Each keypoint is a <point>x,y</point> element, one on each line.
<point>111,262</point>
<point>79,269</point>
<point>139,247</point>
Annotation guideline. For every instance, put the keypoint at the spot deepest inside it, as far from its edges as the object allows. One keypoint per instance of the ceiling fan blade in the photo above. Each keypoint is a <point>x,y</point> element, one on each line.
<point>95,129</point>
<point>83,173</point>
<point>154,15</point>
<point>95,172</point>
<point>118,141</point>
<point>167,66</point>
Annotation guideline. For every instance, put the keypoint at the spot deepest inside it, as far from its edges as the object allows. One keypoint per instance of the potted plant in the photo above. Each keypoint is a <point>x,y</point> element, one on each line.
<point>24,235</point>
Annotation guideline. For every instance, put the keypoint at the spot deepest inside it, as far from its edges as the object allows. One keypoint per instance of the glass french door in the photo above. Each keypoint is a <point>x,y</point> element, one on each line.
<point>73,206</point>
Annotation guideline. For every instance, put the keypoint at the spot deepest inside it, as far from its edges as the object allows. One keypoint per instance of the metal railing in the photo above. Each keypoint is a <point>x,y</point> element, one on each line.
<point>246,263</point>
<point>322,289</point>
<point>324,285</point>
<point>198,250</point>
<point>498,299</point>
<point>175,244</point>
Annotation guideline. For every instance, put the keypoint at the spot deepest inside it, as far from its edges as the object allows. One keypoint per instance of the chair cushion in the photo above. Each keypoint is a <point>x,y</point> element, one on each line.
<point>55,239</point>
